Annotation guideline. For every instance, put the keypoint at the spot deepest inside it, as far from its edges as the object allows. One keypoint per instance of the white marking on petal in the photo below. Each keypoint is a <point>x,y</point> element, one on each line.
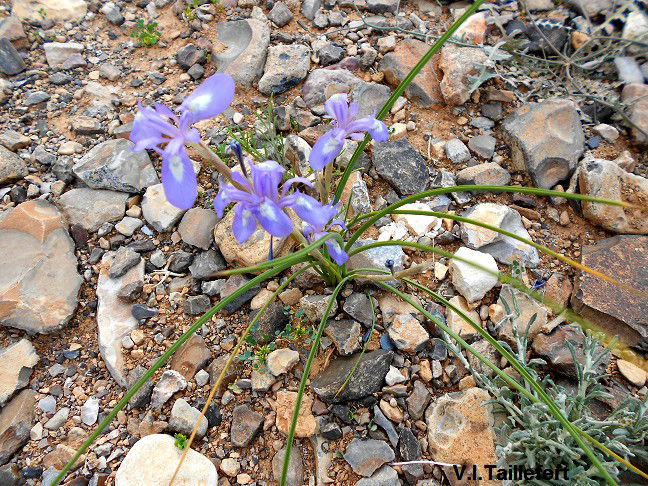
<point>330,146</point>
<point>176,167</point>
<point>267,211</point>
<point>245,216</point>
<point>304,203</point>
<point>199,103</point>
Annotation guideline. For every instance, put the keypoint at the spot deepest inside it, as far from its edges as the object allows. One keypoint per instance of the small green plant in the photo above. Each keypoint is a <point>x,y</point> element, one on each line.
<point>530,436</point>
<point>259,353</point>
<point>146,33</point>
<point>42,12</point>
<point>180,441</point>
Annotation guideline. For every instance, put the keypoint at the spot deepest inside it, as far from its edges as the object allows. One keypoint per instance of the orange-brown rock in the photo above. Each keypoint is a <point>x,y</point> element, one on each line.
<point>39,282</point>
<point>460,430</point>
<point>616,310</point>
<point>424,89</point>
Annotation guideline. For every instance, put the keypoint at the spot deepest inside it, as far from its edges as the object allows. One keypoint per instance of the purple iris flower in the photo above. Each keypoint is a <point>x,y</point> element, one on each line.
<point>158,126</point>
<point>343,115</point>
<point>262,202</point>
<point>320,228</point>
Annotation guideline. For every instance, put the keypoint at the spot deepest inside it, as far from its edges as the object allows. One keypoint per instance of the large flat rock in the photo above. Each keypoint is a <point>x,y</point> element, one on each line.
<point>113,165</point>
<point>153,460</point>
<point>39,282</point>
<point>114,317</point>
<point>616,310</point>
<point>56,10</point>
<point>241,49</point>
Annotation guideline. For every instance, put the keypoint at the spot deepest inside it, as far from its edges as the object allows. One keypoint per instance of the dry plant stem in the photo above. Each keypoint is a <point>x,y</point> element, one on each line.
<point>233,354</point>
<point>219,165</point>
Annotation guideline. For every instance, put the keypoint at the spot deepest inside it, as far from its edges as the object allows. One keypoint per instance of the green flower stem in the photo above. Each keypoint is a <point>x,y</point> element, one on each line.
<point>306,372</point>
<point>229,362</point>
<point>555,307</point>
<point>555,411</point>
<point>364,347</point>
<point>446,190</point>
<point>400,89</point>
<point>306,250</point>
<point>164,358</point>
<point>526,241</point>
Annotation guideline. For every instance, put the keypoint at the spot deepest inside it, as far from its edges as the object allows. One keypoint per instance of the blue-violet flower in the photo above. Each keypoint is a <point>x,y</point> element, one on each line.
<point>346,126</point>
<point>158,126</point>
<point>319,229</point>
<point>262,202</point>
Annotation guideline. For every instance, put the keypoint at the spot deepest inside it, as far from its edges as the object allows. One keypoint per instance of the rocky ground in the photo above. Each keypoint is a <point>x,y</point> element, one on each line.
<point>99,275</point>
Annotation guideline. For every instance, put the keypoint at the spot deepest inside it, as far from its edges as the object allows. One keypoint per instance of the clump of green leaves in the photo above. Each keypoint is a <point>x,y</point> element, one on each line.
<point>42,12</point>
<point>180,441</point>
<point>530,436</point>
<point>146,33</point>
<point>295,330</point>
<point>259,353</point>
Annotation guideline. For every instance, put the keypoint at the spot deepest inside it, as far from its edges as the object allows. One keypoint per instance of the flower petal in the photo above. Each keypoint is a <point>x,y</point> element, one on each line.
<point>377,129</point>
<point>211,98</point>
<point>294,180</point>
<point>308,209</point>
<point>337,106</point>
<point>273,219</point>
<point>326,149</point>
<point>266,177</point>
<point>179,179</point>
<point>337,254</point>
<point>244,223</point>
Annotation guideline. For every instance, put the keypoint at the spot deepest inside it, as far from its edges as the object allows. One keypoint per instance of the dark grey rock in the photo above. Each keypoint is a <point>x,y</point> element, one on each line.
<point>189,55</point>
<point>142,397</point>
<point>358,306</point>
<point>16,420</point>
<point>197,304</point>
<point>207,265</point>
<point>368,377</point>
<point>546,139</point>
<point>345,334</point>
<point>331,431</point>
<point>401,166</point>
<point>310,7</point>
<point>180,261</point>
<point>272,321</point>
<point>385,476</point>
<point>196,72</point>
<point>280,14</point>
<point>385,424</point>
<point>382,6</point>
<point>10,61</point>
<point>330,54</point>
<point>232,284</point>
<point>418,400</point>
<point>295,475</point>
<point>246,423</point>
<point>409,448</point>
<point>366,456</point>
<point>125,259</point>
<point>36,98</point>
<point>287,66</point>
<point>457,151</point>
